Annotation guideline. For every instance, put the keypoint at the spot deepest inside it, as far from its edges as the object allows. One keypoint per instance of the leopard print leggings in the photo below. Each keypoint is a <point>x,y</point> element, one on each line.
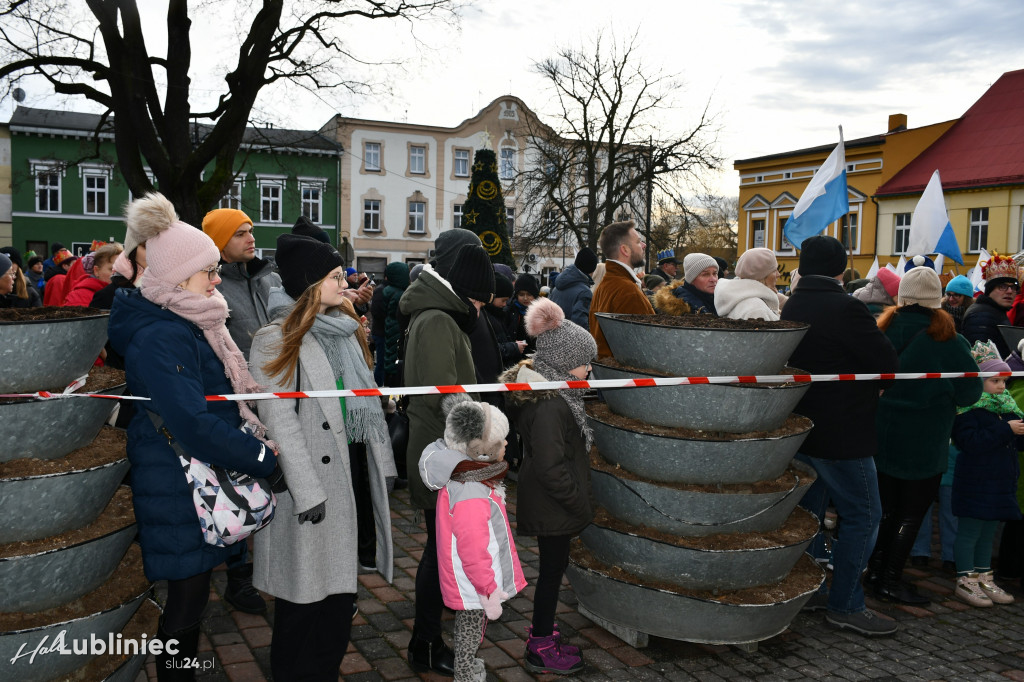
<point>469,633</point>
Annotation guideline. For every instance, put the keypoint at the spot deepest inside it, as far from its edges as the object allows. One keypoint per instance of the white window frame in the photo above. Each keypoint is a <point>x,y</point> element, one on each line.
<point>461,161</point>
<point>900,228</point>
<point>371,210</point>
<point>457,215</point>
<point>100,175</point>
<point>507,163</point>
<point>417,159</point>
<point>370,150</point>
<point>785,246</point>
<point>855,236</point>
<point>510,220</point>
<point>307,205</point>
<point>267,184</point>
<point>233,198</point>
<point>977,227</point>
<point>763,219</point>
<point>417,217</point>
<point>48,168</point>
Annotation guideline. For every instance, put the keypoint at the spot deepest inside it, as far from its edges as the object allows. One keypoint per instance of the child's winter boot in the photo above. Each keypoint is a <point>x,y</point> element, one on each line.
<point>988,585</point>
<point>969,591</point>
<point>546,655</point>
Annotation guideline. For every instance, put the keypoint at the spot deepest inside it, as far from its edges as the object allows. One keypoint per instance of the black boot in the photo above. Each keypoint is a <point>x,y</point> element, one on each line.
<point>177,667</point>
<point>890,586</point>
<point>241,594</point>
<point>425,655</point>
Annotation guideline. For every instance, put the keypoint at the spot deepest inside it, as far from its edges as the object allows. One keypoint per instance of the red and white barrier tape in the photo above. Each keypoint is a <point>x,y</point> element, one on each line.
<point>554,385</point>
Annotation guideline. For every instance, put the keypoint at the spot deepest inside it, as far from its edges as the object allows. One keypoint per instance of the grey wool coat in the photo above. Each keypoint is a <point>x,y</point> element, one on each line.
<point>306,563</point>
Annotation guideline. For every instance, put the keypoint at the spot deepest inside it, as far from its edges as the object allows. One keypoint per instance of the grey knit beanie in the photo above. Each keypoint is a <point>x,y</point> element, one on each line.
<point>561,344</point>
<point>694,264</point>
<point>921,286</point>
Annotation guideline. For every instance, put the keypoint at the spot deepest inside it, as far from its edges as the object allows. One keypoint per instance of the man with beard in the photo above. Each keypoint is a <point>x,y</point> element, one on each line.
<point>620,291</point>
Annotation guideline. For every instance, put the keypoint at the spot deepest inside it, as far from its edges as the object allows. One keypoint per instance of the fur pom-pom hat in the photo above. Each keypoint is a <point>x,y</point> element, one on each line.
<point>477,429</point>
<point>561,344</point>
<point>174,250</point>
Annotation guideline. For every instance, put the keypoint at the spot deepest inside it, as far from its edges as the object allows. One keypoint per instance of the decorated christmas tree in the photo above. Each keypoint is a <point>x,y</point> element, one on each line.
<point>484,212</point>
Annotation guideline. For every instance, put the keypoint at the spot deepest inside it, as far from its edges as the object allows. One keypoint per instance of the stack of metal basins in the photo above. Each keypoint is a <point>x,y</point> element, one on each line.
<point>68,570</point>
<point>694,486</point>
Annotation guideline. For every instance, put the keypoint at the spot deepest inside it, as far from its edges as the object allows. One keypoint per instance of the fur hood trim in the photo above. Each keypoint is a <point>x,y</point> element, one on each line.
<point>524,373</point>
<point>665,301</point>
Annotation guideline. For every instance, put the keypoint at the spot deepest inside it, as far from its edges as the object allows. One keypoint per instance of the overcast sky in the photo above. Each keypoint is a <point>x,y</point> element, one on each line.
<point>779,74</point>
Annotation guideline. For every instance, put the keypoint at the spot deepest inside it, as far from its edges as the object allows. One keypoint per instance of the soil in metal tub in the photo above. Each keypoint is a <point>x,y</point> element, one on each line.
<point>108,446</point>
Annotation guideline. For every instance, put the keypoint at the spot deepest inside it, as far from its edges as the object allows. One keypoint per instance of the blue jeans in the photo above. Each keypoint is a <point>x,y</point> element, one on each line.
<point>852,485</point>
<point>947,527</point>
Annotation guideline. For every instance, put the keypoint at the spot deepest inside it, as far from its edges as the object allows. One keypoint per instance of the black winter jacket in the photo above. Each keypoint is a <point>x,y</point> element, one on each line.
<point>843,338</point>
<point>981,323</point>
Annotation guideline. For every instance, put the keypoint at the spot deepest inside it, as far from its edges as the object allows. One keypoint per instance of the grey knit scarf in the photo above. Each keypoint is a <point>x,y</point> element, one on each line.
<point>572,396</point>
<point>364,418</point>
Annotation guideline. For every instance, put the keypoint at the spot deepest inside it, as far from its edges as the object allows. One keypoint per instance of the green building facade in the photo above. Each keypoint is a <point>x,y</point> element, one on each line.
<point>67,188</point>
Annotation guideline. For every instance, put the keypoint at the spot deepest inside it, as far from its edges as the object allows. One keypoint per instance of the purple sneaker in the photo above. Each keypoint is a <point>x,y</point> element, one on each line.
<point>567,648</point>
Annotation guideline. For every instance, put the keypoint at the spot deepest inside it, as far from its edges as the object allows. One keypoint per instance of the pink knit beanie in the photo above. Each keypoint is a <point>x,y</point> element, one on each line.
<point>890,280</point>
<point>174,250</point>
<point>756,264</point>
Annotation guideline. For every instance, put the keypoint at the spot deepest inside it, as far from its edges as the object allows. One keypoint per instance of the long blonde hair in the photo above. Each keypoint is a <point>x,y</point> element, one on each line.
<point>298,323</point>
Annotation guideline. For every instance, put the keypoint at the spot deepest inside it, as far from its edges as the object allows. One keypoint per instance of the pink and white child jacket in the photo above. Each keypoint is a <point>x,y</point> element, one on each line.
<point>475,551</point>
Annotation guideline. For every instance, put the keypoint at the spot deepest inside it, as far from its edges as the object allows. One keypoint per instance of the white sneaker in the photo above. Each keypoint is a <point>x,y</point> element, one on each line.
<point>969,591</point>
<point>995,593</point>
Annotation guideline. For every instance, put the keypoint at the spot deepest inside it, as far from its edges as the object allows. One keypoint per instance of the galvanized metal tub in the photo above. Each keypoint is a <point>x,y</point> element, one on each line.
<point>733,408</point>
<point>50,429</point>
<point>42,580</point>
<point>692,351</point>
<point>694,513</point>
<point>57,503</point>
<point>676,459</point>
<point>681,617</point>
<point>690,567</point>
<point>48,666</point>
<point>47,354</point>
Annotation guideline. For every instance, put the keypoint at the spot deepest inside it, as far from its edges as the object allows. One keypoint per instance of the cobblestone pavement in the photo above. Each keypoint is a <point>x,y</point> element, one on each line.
<point>945,641</point>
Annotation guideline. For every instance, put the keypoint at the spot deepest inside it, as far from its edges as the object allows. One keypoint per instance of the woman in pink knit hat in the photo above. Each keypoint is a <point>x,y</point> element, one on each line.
<point>176,352</point>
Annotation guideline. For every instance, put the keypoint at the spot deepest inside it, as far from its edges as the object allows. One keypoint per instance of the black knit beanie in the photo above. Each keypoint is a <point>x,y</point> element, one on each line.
<point>528,284</point>
<point>502,286</point>
<point>304,261</point>
<point>822,255</point>
<point>471,274</point>
<point>447,247</point>
<point>303,226</point>
<point>586,261</point>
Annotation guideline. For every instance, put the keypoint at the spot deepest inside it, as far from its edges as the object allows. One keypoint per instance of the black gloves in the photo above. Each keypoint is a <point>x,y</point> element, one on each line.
<point>314,515</point>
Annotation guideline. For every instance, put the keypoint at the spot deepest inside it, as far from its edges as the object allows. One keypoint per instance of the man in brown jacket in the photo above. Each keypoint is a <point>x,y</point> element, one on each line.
<point>619,291</point>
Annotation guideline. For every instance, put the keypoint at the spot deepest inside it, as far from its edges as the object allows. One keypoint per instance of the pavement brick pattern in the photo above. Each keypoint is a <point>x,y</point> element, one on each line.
<point>947,640</point>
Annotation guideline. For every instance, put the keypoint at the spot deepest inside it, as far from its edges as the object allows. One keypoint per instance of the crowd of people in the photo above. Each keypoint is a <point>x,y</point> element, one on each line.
<point>195,312</point>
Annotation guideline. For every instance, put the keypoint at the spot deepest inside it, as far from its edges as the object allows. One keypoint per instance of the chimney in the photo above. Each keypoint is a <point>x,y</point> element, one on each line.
<point>897,122</point>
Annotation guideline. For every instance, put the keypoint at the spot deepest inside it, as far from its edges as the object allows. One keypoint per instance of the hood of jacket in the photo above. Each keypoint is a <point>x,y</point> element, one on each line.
<point>437,463</point>
<point>729,293</point>
<point>279,304</point>
<point>524,373</point>
<point>573,276</point>
<point>254,269</point>
<point>430,291</point>
<point>130,313</point>
<point>397,275</point>
<point>668,303</point>
<point>874,292</point>
<point>905,325</point>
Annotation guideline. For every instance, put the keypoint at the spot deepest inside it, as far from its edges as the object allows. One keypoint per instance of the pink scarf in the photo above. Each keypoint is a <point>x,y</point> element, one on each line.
<point>209,314</point>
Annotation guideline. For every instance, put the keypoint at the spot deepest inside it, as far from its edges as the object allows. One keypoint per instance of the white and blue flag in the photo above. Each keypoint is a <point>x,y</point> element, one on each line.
<point>824,201</point>
<point>930,230</point>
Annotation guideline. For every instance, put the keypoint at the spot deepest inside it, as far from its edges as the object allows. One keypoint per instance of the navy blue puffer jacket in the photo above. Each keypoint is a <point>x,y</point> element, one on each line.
<point>985,481</point>
<point>168,359</point>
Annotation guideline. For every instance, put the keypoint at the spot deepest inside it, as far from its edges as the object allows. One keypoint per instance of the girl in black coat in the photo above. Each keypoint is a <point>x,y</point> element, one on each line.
<point>989,434</point>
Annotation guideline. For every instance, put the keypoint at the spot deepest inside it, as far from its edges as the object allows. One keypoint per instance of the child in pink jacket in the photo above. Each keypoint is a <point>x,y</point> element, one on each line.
<point>476,554</point>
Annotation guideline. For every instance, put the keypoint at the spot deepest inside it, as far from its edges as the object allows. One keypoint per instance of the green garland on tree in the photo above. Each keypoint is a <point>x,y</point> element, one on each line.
<point>484,211</point>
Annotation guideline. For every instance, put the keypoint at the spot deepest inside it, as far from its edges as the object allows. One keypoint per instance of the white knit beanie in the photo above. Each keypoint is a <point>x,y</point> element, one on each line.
<point>921,286</point>
<point>695,263</point>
